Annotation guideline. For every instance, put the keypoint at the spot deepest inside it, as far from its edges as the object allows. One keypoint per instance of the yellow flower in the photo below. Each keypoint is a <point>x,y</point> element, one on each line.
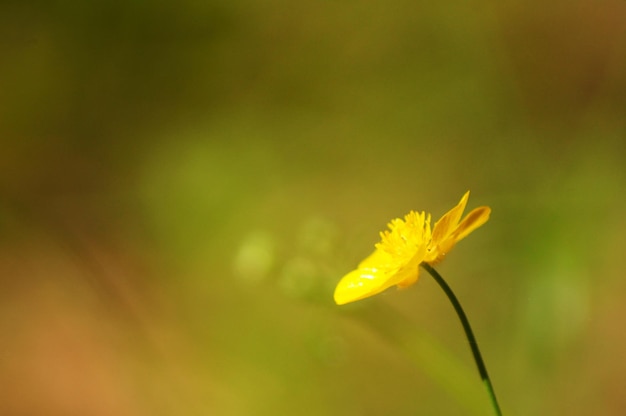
<point>407,244</point>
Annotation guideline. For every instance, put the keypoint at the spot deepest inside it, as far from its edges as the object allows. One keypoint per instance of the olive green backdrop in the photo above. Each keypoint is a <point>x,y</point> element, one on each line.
<point>182,184</point>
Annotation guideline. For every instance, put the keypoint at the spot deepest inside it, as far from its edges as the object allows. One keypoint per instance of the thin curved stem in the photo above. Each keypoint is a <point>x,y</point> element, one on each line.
<point>482,370</point>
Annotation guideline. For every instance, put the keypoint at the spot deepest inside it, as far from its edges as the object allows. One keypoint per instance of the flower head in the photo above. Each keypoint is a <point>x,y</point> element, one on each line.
<point>408,243</point>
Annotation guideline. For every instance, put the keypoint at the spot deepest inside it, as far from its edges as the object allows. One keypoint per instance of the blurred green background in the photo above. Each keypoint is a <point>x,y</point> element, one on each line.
<point>182,184</point>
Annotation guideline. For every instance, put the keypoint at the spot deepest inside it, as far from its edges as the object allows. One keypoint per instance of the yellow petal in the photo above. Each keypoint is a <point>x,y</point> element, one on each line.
<point>360,284</point>
<point>472,221</point>
<point>376,260</point>
<point>448,222</point>
<point>409,278</point>
<point>450,233</point>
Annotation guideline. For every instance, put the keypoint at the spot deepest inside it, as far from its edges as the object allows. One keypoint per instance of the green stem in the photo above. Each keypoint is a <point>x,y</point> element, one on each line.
<point>482,370</point>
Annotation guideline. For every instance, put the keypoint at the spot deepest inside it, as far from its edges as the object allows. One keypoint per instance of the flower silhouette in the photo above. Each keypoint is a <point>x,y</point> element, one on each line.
<point>408,243</point>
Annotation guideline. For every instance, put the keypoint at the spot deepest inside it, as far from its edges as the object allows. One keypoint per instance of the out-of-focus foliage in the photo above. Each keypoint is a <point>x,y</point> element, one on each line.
<point>182,184</point>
